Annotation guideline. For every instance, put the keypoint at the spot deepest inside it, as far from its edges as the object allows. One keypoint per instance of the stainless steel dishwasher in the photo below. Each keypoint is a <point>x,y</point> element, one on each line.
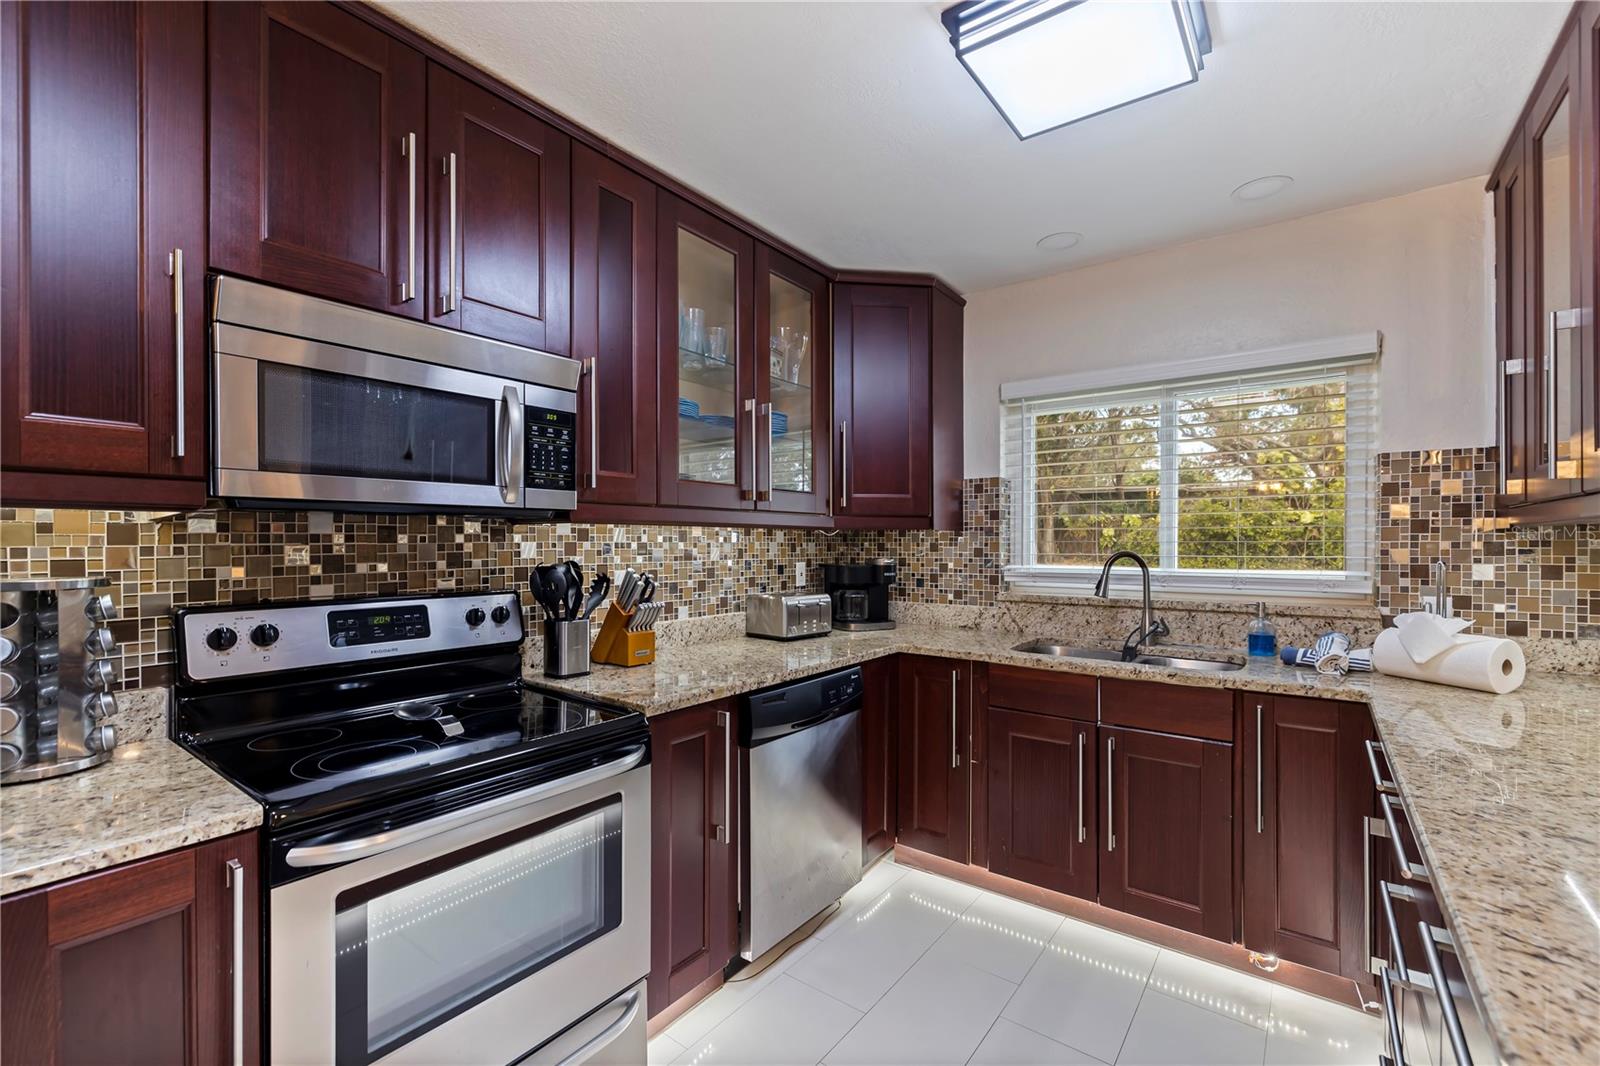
<point>800,745</point>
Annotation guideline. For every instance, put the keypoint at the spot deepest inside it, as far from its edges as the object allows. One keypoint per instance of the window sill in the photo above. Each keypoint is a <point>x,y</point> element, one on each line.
<point>1363,607</point>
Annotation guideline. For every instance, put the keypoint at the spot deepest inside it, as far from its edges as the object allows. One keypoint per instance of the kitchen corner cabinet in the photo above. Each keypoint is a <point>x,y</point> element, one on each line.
<point>614,329</point>
<point>318,152</point>
<point>933,727</point>
<point>102,254</point>
<point>136,964</point>
<point>1546,192</point>
<point>499,197</point>
<point>1307,793</point>
<point>694,871</point>
<point>880,757</point>
<point>897,406</point>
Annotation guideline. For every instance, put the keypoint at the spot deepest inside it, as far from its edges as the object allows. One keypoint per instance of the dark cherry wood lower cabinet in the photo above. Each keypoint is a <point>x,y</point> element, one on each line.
<point>879,756</point>
<point>932,724</point>
<point>1042,789</point>
<point>693,892</point>
<point>134,964</point>
<point>1168,809</point>
<point>1307,791</point>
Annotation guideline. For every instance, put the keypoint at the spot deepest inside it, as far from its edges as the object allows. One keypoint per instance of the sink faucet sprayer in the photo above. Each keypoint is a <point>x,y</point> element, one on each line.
<point>1150,628</point>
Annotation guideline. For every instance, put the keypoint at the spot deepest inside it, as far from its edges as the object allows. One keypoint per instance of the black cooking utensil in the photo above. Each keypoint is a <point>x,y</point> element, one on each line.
<point>597,593</point>
<point>574,601</point>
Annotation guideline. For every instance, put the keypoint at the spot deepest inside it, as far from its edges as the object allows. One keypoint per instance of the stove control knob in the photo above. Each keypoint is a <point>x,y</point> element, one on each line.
<point>264,635</point>
<point>474,616</point>
<point>221,639</point>
<point>501,615</point>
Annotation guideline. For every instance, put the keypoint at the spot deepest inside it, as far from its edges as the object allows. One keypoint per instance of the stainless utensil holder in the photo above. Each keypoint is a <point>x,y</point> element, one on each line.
<point>566,648</point>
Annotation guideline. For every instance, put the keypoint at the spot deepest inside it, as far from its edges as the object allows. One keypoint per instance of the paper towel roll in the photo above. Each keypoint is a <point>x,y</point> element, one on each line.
<point>1488,664</point>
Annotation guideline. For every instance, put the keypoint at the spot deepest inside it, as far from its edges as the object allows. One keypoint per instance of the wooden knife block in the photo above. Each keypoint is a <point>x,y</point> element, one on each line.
<point>620,647</point>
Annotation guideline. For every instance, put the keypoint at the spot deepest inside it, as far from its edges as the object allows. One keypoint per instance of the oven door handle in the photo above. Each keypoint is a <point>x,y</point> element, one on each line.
<point>378,843</point>
<point>592,1047</point>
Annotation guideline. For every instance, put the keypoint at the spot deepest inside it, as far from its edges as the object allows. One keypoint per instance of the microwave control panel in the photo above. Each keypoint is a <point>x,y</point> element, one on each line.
<point>551,450</point>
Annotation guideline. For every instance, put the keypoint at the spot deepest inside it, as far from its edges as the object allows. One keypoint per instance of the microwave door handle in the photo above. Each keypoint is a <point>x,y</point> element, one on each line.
<point>508,445</point>
<point>364,847</point>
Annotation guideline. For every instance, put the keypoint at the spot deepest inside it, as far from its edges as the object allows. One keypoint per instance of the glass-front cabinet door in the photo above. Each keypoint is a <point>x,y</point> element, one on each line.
<point>792,378</point>
<point>708,395</point>
<point>1555,415</point>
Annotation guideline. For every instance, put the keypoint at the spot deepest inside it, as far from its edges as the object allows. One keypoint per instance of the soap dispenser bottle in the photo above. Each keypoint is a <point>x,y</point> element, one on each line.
<point>1263,635</point>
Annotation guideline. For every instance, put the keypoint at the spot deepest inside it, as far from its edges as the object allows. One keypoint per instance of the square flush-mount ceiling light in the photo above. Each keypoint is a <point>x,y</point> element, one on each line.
<point>1045,64</point>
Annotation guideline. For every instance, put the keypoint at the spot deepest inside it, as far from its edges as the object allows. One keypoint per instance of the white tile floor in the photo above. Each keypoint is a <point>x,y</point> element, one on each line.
<point>915,968</point>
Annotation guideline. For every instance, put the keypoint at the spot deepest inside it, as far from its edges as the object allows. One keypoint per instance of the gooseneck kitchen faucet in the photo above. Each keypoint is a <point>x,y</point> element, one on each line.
<point>1150,628</point>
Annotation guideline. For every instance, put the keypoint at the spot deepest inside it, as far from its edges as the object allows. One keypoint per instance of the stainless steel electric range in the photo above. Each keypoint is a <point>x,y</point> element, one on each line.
<point>457,865</point>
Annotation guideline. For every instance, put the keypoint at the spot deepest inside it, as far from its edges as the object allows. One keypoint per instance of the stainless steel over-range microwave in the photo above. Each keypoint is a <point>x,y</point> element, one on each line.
<point>316,403</point>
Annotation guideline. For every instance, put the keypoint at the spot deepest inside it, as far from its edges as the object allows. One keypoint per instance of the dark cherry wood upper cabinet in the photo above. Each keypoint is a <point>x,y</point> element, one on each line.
<point>694,892</point>
<point>135,964</point>
<point>614,329</point>
<point>1546,189</point>
<point>705,332</point>
<point>932,734</point>
<point>499,197</point>
<point>1307,791</point>
<point>102,253</point>
<point>881,406</point>
<point>879,756</point>
<point>792,381</point>
<point>1166,853</point>
<point>1042,800</point>
<point>317,153</point>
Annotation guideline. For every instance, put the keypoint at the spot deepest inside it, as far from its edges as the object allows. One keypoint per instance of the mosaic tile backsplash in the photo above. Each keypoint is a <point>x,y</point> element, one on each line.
<point>1536,582</point>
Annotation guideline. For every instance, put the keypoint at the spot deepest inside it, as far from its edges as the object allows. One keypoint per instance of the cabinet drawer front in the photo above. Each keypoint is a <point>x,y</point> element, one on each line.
<point>1186,711</point>
<point>1043,691</point>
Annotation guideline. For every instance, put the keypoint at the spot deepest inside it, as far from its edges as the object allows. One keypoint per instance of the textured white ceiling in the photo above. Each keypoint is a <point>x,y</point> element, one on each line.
<point>851,130</point>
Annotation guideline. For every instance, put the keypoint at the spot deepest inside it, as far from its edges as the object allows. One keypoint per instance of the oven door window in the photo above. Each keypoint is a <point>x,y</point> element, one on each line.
<point>418,947</point>
<point>317,422</point>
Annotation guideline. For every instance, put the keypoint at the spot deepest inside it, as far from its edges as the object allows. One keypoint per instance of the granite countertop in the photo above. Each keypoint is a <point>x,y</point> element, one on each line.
<point>1503,793</point>
<point>151,797</point>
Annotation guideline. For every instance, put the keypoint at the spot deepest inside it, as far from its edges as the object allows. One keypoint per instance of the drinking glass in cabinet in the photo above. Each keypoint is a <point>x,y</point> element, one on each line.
<point>707,383</point>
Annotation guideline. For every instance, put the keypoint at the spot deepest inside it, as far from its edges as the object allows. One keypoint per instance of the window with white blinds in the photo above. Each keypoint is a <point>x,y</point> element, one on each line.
<point>1258,480</point>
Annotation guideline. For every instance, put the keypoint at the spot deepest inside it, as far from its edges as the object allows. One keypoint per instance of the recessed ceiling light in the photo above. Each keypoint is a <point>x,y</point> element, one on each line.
<point>1261,188</point>
<point>1047,63</point>
<point>1059,242</point>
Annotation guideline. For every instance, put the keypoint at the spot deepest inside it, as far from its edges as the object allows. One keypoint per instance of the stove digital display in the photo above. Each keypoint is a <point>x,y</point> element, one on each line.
<point>348,629</point>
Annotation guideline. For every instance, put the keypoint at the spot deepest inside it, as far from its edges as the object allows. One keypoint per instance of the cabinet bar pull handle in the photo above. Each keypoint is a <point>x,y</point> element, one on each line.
<point>725,830</point>
<point>448,300</point>
<point>1411,871</point>
<point>1111,831</point>
<point>1080,788</point>
<point>1447,999</point>
<point>1381,783</point>
<point>750,493</point>
<point>175,270</point>
<point>844,464</point>
<point>1555,322</point>
<point>1260,818</point>
<point>766,493</point>
<point>235,882</point>
<point>589,369</point>
<point>1392,1016</point>
<point>955,757</point>
<point>408,287</point>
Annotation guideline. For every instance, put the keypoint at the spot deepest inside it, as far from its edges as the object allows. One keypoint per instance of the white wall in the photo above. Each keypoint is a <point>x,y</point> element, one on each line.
<point>1415,267</point>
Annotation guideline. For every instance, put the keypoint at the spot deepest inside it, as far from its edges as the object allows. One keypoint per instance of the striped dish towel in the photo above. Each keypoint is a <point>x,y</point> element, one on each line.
<point>1330,655</point>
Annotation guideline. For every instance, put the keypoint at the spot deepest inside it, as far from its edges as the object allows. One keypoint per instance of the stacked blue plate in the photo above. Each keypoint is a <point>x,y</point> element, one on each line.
<point>725,421</point>
<point>780,423</point>
<point>688,408</point>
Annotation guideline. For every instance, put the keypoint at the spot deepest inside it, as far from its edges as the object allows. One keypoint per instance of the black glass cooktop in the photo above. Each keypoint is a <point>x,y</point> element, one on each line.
<point>315,750</point>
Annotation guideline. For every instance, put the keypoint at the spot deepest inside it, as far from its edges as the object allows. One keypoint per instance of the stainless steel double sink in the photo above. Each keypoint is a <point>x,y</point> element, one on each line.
<point>1174,662</point>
